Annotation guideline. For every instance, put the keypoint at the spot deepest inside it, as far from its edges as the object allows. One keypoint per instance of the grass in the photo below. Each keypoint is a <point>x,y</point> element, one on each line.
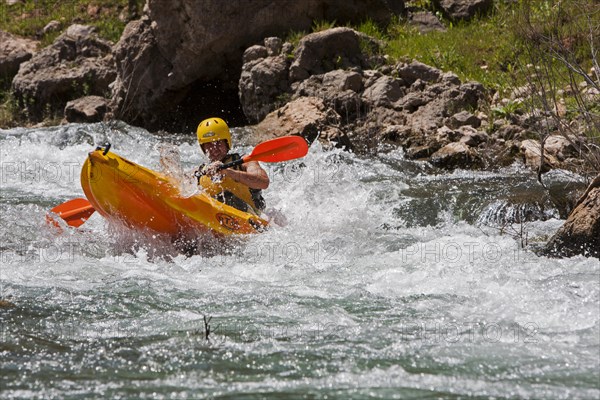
<point>28,18</point>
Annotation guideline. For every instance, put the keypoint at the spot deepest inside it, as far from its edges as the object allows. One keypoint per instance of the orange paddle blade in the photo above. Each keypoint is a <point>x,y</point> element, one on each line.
<point>75,212</point>
<point>280,149</point>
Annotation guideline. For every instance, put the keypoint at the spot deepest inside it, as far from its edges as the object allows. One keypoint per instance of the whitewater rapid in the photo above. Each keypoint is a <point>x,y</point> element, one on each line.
<point>390,280</point>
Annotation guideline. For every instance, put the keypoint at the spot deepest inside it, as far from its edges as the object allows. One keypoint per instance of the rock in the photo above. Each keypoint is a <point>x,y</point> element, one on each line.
<point>412,101</point>
<point>417,70</point>
<point>308,117</point>
<point>531,151</point>
<point>86,109</point>
<point>343,80</point>
<point>423,152</point>
<point>509,132</point>
<point>580,234</point>
<point>557,150</point>
<point>6,304</point>
<point>51,26</point>
<point>396,134</point>
<point>383,92</point>
<point>183,45</point>
<point>463,118</point>
<point>137,47</point>
<point>255,52</point>
<point>464,9</point>
<point>320,52</point>
<point>77,63</point>
<point>338,89</point>
<point>366,133</point>
<point>13,51</point>
<point>561,147</point>
<point>471,136</point>
<point>425,21</point>
<point>446,135</point>
<point>261,85</point>
<point>455,155</point>
<point>274,45</point>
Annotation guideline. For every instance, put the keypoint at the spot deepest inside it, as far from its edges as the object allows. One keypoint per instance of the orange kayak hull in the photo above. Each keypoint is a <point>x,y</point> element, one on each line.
<point>147,200</point>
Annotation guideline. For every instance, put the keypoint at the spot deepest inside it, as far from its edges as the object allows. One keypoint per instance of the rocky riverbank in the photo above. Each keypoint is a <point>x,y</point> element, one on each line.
<point>337,85</point>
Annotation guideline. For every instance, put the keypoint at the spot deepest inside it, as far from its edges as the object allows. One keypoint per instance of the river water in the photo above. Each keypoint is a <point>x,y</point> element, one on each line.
<point>390,280</point>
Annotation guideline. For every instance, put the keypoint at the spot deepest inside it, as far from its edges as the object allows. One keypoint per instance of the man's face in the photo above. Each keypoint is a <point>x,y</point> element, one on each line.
<point>215,150</point>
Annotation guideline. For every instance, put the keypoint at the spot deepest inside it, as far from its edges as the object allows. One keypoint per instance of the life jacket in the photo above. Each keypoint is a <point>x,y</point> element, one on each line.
<point>233,193</point>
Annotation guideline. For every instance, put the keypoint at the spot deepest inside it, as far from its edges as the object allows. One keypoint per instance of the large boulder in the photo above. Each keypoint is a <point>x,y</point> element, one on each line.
<point>264,81</point>
<point>320,52</point>
<point>78,63</point>
<point>184,43</point>
<point>13,51</point>
<point>580,234</point>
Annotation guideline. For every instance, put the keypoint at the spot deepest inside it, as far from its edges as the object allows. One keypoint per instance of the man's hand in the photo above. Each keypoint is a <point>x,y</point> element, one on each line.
<point>213,171</point>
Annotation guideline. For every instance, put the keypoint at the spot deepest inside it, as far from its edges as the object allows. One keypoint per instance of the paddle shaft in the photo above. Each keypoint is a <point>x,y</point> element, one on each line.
<point>232,164</point>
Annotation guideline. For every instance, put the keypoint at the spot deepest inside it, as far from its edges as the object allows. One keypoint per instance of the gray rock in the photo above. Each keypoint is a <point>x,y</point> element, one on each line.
<point>261,85</point>
<point>51,26</point>
<point>509,131</point>
<point>417,70</point>
<point>463,118</point>
<point>471,136</point>
<point>424,151</point>
<point>455,155</point>
<point>383,92</point>
<point>308,117</point>
<point>425,21</point>
<point>562,147</point>
<point>580,234</point>
<point>412,101</point>
<point>464,9</point>
<point>343,80</point>
<point>86,109</point>
<point>78,63</point>
<point>273,45</point>
<point>532,156</point>
<point>338,89</point>
<point>255,52</point>
<point>324,51</point>
<point>14,51</point>
<point>446,135</point>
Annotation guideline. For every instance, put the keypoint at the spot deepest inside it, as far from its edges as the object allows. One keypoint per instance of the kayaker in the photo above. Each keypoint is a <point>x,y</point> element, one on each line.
<point>239,186</point>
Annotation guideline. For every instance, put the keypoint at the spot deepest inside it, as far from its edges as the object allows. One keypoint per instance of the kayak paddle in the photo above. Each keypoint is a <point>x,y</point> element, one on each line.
<point>75,212</point>
<point>284,148</point>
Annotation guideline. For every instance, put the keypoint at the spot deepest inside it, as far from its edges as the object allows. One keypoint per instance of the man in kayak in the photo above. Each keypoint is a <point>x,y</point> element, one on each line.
<point>239,186</point>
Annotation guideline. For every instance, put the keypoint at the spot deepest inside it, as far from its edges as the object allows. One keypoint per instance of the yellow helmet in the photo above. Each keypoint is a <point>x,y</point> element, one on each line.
<point>212,130</point>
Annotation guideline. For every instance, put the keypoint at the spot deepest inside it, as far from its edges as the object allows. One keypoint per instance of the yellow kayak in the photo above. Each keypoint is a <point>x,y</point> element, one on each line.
<point>144,199</point>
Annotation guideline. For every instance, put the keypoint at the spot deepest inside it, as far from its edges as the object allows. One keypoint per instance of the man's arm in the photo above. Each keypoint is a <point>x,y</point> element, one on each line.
<point>251,175</point>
